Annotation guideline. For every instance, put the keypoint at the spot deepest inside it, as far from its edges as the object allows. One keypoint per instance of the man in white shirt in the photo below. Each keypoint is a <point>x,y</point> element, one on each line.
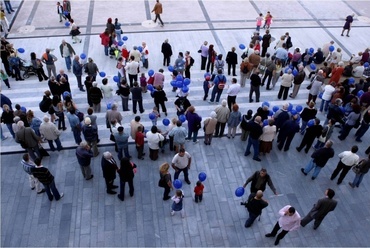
<point>232,92</point>
<point>145,55</point>
<point>181,163</point>
<point>132,68</point>
<point>289,221</point>
<point>358,71</point>
<point>347,160</point>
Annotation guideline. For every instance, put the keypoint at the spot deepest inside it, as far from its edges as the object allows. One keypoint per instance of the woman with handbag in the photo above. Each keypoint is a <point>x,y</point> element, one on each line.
<point>75,30</point>
<point>363,167</point>
<point>126,174</point>
<point>37,66</point>
<point>165,180</point>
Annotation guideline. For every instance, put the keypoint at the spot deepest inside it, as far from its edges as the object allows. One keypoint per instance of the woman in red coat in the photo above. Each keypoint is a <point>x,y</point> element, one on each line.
<point>105,41</point>
<point>337,73</point>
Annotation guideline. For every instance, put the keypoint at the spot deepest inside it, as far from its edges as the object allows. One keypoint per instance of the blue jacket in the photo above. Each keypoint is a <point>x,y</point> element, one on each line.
<point>84,156</point>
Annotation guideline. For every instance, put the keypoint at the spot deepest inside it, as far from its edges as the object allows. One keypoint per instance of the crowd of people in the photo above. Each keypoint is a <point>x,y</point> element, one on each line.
<point>345,102</point>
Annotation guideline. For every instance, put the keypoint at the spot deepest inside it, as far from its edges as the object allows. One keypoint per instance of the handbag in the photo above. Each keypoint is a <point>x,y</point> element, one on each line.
<point>43,152</point>
<point>112,138</point>
<point>357,168</point>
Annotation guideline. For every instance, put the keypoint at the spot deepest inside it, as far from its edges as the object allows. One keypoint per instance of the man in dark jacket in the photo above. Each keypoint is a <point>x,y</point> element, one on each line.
<point>254,204</point>
<point>77,70</point>
<point>109,167</point>
<point>28,140</point>
<point>67,51</point>
<point>298,80</point>
<point>232,61</point>
<point>84,155</point>
<point>259,180</point>
<point>319,159</point>
<point>255,86</point>
<point>95,96</point>
<point>320,209</point>
<point>90,133</point>
<point>167,53</point>
<point>137,98</point>
<point>266,40</point>
<point>255,130</point>
<point>47,179</point>
<point>287,132</point>
<point>311,133</point>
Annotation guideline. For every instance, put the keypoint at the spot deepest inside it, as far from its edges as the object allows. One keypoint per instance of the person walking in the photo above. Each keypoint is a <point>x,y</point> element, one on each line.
<point>320,209</point>
<point>232,61</point>
<point>158,9</point>
<point>167,52</point>
<point>255,131</point>
<point>84,155</point>
<point>254,204</point>
<point>347,159</point>
<point>126,174</point>
<point>319,159</point>
<point>67,51</point>
<point>109,167</point>
<point>363,168</point>
<point>181,162</point>
<point>348,24</point>
<point>28,166</point>
<point>289,221</point>
<point>258,181</point>
<point>121,139</point>
<point>364,126</point>
<point>47,179</point>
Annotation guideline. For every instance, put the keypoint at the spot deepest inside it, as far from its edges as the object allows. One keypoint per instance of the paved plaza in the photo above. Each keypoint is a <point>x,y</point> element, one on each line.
<point>87,216</point>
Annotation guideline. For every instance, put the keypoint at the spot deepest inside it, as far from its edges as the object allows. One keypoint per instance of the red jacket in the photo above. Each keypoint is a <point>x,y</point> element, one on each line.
<point>198,190</point>
<point>139,139</point>
<point>104,39</point>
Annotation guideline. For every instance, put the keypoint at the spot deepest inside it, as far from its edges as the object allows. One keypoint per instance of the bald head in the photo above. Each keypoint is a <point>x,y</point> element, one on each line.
<point>259,194</point>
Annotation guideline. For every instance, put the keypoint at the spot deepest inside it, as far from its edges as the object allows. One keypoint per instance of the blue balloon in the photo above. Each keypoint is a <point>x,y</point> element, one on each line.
<point>298,108</point>
<point>366,65</point>
<point>291,67</point>
<point>177,184</point>
<point>182,118</point>
<point>166,122</point>
<point>124,38</point>
<point>207,74</point>
<point>109,106</point>
<point>202,176</point>
<point>140,48</point>
<point>150,87</point>
<point>187,81</point>
<point>313,66</point>
<point>152,116</point>
<point>185,89</point>
<point>23,109</point>
<point>67,24</point>
<point>298,119</point>
<point>320,95</point>
<point>311,50</point>
<point>360,93</point>
<point>265,122</point>
<point>290,107</point>
<point>239,192</point>
<point>310,123</point>
<point>266,104</point>
<point>286,70</point>
<point>241,46</point>
<point>271,113</point>
<point>173,83</point>
<point>331,48</point>
<point>83,56</point>
<point>179,84</point>
<point>275,109</point>
<point>150,73</point>
<point>351,80</point>
<point>66,93</point>
<point>120,43</point>
<point>21,50</point>
<point>179,78</point>
<point>102,74</point>
<point>295,72</point>
<point>116,79</point>
<point>293,112</point>
<point>170,68</point>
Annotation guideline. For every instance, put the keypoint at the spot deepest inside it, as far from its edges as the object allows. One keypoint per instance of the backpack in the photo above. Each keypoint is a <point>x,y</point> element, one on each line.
<point>245,68</point>
<point>244,55</point>
<point>43,105</point>
<point>221,83</point>
<point>191,61</point>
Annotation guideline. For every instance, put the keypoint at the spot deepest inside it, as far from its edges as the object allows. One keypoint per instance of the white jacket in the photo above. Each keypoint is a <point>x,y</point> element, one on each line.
<point>49,131</point>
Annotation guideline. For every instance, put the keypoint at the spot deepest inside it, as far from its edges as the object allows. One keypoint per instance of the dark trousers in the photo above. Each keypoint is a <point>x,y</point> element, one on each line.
<point>311,97</point>
<point>158,16</point>
<point>166,192</point>
<point>61,121</point>
<point>153,154</point>
<point>283,92</point>
<point>229,66</point>
<point>186,174</point>
<point>276,229</point>
<point>163,106</point>
<point>187,72</point>
<point>166,60</point>
<point>122,188</point>
<point>109,183</point>
<point>269,75</point>
<point>231,100</point>
<point>251,219</point>
<point>203,63</point>
<point>255,143</point>
<point>79,82</point>
<point>340,167</point>
<point>51,188</point>
<point>41,74</point>
<point>206,90</point>
<point>215,91</point>
<point>220,128</point>
<point>306,142</point>
<point>140,150</point>
<point>362,130</point>
<point>308,218</point>
<point>210,65</point>
<point>134,104</point>
<point>198,198</point>
<point>285,140</point>
<point>345,131</point>
<point>255,89</point>
<point>264,50</point>
<point>132,78</point>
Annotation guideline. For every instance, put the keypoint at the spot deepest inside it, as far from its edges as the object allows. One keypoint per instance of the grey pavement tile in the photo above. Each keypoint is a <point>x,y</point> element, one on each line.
<point>132,239</point>
<point>109,217</point>
<point>84,240</point>
<point>86,222</point>
<point>64,233</point>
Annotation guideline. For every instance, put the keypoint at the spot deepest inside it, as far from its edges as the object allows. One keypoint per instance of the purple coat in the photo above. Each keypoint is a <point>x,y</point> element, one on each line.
<point>192,119</point>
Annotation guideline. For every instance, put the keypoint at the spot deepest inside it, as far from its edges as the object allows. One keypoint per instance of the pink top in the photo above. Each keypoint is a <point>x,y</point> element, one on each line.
<point>289,223</point>
<point>259,20</point>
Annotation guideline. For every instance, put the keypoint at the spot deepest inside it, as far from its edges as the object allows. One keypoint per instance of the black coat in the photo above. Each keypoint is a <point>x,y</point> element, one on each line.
<point>166,49</point>
<point>109,169</point>
<point>95,95</point>
<point>232,58</point>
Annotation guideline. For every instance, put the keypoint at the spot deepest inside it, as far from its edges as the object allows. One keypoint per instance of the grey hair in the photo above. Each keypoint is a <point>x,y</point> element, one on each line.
<point>83,144</point>
<point>114,106</point>
<point>46,118</point>
<point>224,103</point>
<point>20,124</point>
<point>107,154</point>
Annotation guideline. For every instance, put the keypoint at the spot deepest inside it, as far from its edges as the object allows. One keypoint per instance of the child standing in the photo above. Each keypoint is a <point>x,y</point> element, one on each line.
<point>206,86</point>
<point>198,190</point>
<point>177,203</point>
<point>143,83</point>
<point>156,114</point>
<point>259,22</point>
<point>139,141</point>
<point>4,77</point>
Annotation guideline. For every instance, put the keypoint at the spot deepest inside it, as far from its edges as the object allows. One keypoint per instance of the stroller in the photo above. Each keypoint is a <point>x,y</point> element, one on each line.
<point>114,52</point>
<point>27,68</point>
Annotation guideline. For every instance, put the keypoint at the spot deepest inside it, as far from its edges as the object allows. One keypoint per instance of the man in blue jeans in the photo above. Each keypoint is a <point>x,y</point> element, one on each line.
<point>218,86</point>
<point>181,163</point>
<point>254,204</point>
<point>255,130</point>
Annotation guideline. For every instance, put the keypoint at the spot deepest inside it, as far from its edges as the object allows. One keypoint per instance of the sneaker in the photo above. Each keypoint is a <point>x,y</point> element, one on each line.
<point>195,141</point>
<point>302,170</point>
<point>257,159</point>
<point>172,213</point>
<point>61,196</point>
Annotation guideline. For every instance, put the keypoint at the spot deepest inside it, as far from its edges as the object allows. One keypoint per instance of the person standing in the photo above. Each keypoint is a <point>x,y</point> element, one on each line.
<point>255,86</point>
<point>67,51</point>
<point>126,174</point>
<point>165,180</point>
<point>28,166</point>
<point>109,167</point>
<point>266,40</point>
<point>47,179</point>
<point>145,55</point>
<point>167,52</point>
<point>92,69</point>
<point>90,133</point>
<point>218,86</point>
<point>203,55</point>
<point>233,121</point>
<point>364,167</point>
<point>287,132</point>
<point>258,181</point>
<point>132,68</point>
<point>181,162</point>
<point>158,11</point>
<point>245,70</point>
<point>153,138</point>
<point>49,59</point>
<point>320,209</point>
<point>84,155</point>
<point>286,83</point>
<point>232,93</point>
<point>8,6</point>
<point>311,133</point>
<point>222,116</point>
<point>194,123</point>
<point>319,159</point>
<point>74,121</point>
<point>254,204</point>
<point>77,70</point>
<point>117,29</point>
<point>348,24</point>
<point>297,81</point>
<point>346,160</point>
<point>289,221</point>
<point>28,140</point>
<point>137,98</point>
<point>255,131</point>
<point>95,95</point>
<point>232,61</point>
<point>270,70</point>
<point>121,139</point>
<point>51,133</point>
<point>364,126</point>
<point>189,61</point>
<point>179,135</point>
